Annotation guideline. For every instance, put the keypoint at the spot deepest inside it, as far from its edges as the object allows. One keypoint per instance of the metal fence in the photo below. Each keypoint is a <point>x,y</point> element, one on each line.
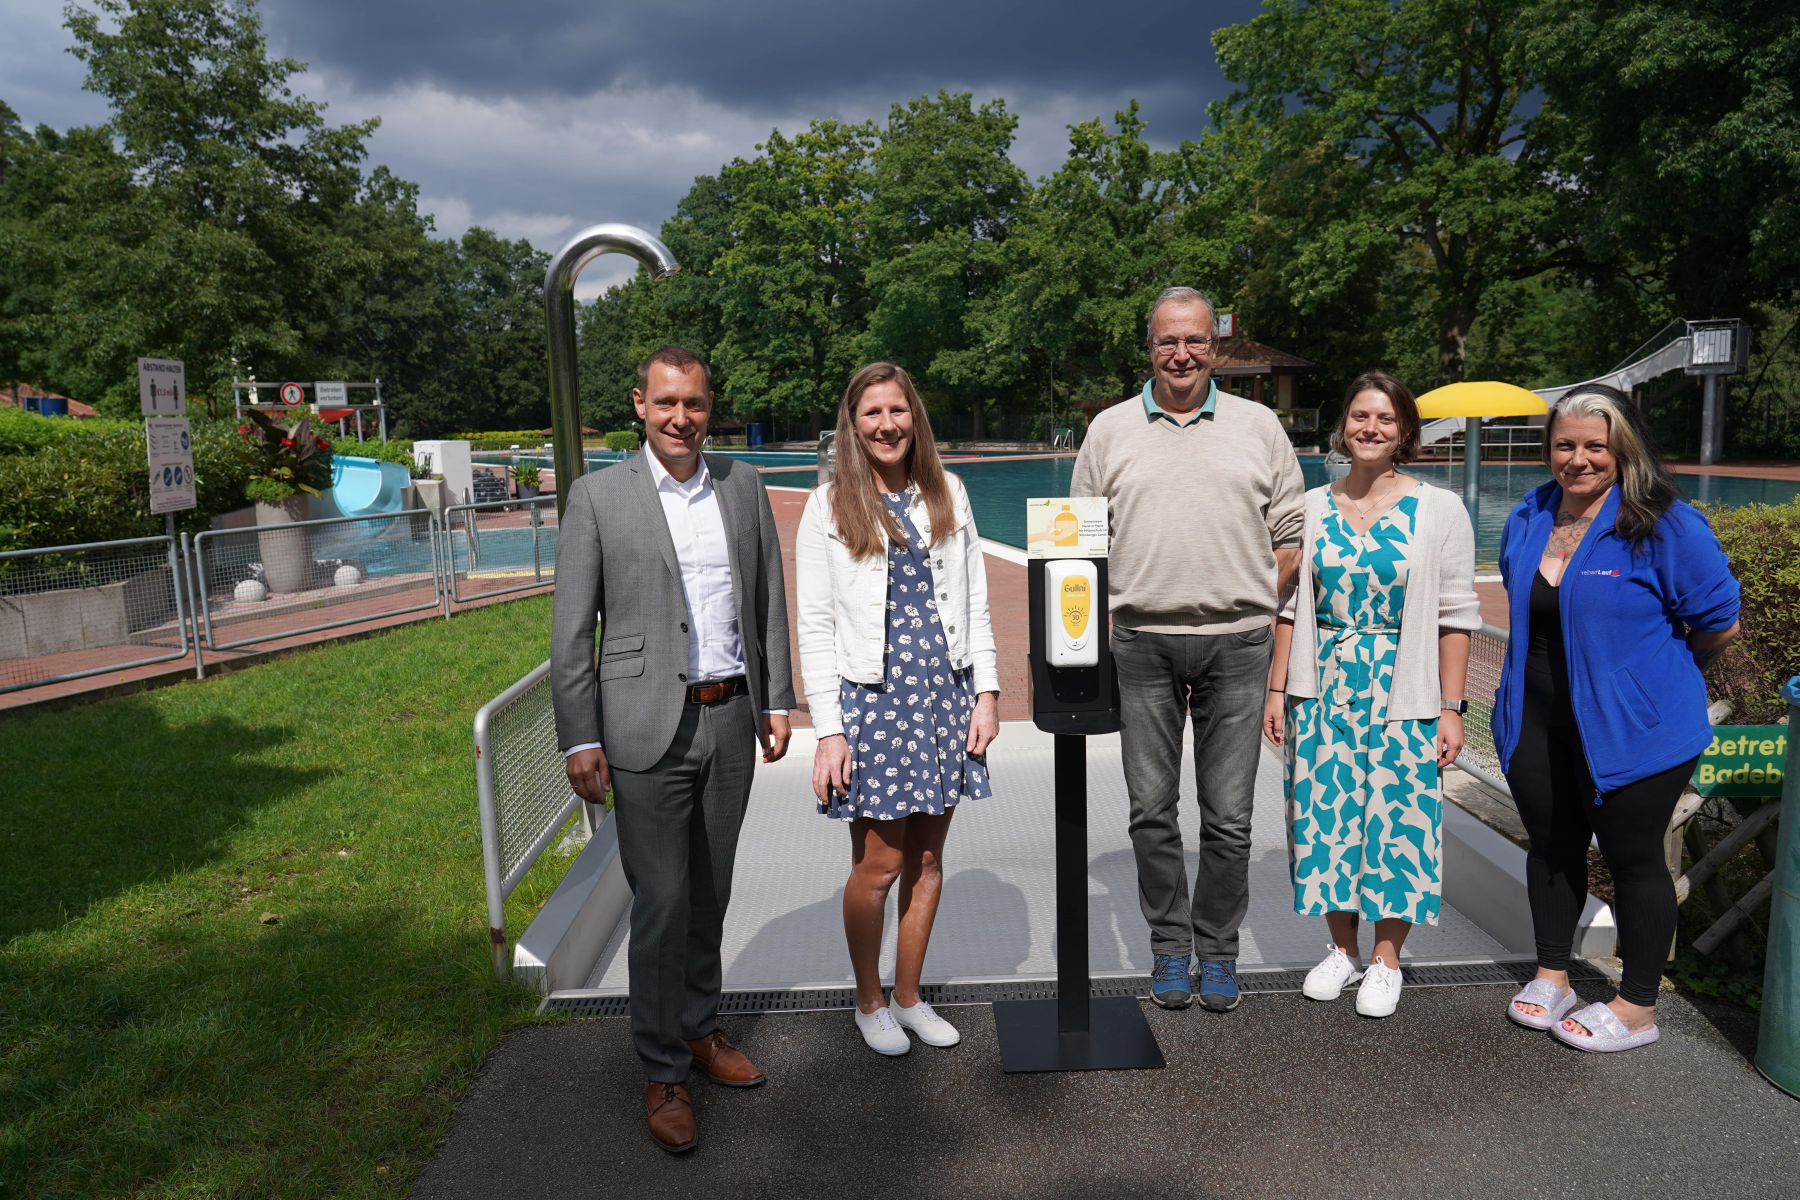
<point>1487,651</point>
<point>497,548</point>
<point>524,790</point>
<point>72,611</point>
<point>267,581</point>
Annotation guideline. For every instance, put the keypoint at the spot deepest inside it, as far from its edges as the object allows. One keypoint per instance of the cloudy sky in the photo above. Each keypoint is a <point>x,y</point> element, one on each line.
<point>535,117</point>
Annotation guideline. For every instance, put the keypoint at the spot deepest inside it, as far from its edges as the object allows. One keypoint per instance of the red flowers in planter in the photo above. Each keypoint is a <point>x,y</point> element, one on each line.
<point>291,458</point>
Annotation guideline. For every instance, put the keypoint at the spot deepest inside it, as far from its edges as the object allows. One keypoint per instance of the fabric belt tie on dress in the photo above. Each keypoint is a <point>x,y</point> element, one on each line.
<point>1344,684</point>
<point>712,693</point>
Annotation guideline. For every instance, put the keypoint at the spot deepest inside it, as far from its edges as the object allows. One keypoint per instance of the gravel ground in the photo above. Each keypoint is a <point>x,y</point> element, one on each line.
<point>1283,1097</point>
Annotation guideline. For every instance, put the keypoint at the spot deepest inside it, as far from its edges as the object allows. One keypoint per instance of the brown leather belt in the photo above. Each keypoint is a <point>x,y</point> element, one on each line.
<point>712,693</point>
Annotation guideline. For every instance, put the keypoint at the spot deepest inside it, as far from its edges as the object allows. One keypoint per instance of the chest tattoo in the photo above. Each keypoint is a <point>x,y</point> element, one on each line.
<point>1566,536</point>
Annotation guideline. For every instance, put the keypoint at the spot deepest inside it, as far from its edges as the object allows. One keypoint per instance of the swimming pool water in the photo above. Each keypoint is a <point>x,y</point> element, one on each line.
<point>998,490</point>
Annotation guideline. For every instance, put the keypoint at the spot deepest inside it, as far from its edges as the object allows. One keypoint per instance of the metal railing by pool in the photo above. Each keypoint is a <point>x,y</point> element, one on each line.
<point>1487,651</point>
<point>68,612</point>
<point>498,548</point>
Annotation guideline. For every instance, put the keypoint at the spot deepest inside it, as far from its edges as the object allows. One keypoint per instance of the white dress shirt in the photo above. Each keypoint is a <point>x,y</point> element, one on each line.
<point>697,527</point>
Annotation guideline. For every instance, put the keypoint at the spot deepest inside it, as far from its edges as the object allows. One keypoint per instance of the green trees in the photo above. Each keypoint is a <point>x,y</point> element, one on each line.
<point>217,218</point>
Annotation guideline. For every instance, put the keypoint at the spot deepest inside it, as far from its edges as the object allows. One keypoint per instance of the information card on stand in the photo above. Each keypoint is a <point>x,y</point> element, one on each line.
<point>171,447</point>
<point>1066,527</point>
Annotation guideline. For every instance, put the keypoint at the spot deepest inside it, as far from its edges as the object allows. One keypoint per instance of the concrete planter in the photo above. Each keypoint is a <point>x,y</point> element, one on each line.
<point>286,553</point>
<point>432,494</point>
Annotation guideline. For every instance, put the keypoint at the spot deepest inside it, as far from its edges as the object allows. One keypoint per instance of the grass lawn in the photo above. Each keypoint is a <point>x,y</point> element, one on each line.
<point>155,1038</point>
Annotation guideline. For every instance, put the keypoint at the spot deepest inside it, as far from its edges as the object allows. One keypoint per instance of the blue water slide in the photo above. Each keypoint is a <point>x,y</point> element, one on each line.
<point>362,487</point>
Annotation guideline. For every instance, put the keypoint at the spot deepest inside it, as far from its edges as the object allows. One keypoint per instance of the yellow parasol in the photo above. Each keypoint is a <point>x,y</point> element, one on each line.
<point>1488,399</point>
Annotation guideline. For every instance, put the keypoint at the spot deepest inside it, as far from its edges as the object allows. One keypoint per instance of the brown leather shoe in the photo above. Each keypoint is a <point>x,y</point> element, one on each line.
<point>724,1063</point>
<point>671,1116</point>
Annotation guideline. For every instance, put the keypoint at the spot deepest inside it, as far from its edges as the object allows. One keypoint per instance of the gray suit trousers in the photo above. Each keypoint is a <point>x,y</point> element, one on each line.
<point>678,830</point>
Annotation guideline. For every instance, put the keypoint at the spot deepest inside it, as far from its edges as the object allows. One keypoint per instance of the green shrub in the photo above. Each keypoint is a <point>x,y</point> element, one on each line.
<point>1763,543</point>
<point>24,432</point>
<point>626,440</point>
<point>96,487</point>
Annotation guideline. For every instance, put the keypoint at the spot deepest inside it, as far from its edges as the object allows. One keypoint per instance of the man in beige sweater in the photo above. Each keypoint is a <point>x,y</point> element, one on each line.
<point>1206,502</point>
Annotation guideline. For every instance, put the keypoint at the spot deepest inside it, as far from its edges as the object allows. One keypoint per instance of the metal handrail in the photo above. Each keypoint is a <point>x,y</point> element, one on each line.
<point>502,877</point>
<point>205,606</point>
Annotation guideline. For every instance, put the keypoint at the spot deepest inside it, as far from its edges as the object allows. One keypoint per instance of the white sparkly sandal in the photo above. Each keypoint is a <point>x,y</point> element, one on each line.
<point>1545,995</point>
<point>1605,1032</point>
<point>1328,980</point>
<point>923,1020</point>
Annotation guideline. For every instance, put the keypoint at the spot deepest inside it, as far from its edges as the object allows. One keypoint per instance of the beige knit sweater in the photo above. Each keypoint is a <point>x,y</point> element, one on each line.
<point>1197,513</point>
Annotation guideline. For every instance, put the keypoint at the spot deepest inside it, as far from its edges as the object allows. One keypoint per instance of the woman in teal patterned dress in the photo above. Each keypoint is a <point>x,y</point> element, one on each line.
<point>1366,692</point>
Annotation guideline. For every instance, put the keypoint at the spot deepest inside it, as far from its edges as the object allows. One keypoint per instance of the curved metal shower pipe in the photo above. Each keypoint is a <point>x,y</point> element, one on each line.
<point>559,311</point>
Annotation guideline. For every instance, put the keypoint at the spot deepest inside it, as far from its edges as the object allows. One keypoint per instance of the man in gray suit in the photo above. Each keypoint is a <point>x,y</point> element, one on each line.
<point>675,554</point>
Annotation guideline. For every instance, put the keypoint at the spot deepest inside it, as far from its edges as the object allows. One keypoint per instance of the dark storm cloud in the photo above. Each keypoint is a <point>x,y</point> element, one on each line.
<point>765,56</point>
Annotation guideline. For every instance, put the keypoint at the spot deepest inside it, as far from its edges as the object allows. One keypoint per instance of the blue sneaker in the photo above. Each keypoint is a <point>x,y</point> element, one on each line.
<point>1169,981</point>
<point>1219,986</point>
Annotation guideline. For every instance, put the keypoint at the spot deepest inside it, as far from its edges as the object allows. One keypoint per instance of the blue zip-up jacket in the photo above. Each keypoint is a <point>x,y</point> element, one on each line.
<point>1639,698</point>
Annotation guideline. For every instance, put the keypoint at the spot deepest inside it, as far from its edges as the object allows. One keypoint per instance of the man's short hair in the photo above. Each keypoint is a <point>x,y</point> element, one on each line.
<point>1181,295</point>
<point>678,357</point>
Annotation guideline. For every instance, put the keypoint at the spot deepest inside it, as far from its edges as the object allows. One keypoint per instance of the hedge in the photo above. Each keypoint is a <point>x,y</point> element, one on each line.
<point>1763,543</point>
<point>24,432</point>
<point>626,440</point>
<point>95,486</point>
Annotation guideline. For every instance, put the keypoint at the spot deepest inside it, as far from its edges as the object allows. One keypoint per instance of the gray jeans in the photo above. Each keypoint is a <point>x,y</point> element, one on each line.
<point>678,831</point>
<point>1222,680</point>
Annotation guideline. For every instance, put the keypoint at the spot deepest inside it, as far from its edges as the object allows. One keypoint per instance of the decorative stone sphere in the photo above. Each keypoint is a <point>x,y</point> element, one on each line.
<point>346,576</point>
<point>250,591</point>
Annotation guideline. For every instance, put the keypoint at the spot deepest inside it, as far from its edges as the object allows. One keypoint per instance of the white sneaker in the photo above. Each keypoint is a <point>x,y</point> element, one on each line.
<point>883,1034</point>
<point>1379,994</point>
<point>1328,980</point>
<point>923,1020</point>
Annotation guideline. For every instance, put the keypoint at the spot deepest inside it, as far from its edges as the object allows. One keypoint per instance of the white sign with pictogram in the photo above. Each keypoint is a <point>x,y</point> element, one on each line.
<point>292,394</point>
<point>162,387</point>
<point>171,448</point>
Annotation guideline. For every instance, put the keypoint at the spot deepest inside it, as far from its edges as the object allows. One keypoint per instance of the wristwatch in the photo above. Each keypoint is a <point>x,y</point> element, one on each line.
<point>1459,707</point>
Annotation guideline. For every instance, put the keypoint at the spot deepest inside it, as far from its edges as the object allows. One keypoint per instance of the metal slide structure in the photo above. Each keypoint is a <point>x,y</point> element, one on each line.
<point>1710,349</point>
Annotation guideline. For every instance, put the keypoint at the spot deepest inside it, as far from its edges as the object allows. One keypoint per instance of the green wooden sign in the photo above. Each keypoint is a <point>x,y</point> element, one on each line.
<point>1743,760</point>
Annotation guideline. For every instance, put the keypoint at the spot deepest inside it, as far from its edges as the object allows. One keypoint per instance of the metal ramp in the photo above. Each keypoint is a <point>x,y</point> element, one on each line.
<point>784,946</point>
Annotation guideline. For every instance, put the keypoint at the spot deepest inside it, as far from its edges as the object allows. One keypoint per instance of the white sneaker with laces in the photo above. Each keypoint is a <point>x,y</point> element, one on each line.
<point>882,1032</point>
<point>1328,980</point>
<point>923,1020</point>
<point>1379,994</point>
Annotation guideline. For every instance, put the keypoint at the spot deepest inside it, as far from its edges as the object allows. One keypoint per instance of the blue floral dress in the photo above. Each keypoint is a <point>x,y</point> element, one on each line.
<point>1364,808</point>
<point>909,738</point>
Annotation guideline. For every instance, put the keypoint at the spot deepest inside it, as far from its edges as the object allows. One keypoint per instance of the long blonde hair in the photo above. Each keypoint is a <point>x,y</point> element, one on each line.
<point>862,520</point>
<point>1646,487</point>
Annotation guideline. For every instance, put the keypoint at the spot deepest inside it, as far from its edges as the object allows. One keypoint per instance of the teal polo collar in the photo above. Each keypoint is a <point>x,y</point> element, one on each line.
<point>1152,410</point>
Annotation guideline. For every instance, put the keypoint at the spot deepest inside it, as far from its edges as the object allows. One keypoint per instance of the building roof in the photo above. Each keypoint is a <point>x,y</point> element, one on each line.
<point>1241,356</point>
<point>12,397</point>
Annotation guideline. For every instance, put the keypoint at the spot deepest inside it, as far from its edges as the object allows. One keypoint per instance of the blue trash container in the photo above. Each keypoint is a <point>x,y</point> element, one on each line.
<point>756,434</point>
<point>1778,1039</point>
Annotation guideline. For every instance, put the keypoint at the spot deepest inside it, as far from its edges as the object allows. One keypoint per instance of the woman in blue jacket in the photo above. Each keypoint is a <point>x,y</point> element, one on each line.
<point>1619,595</point>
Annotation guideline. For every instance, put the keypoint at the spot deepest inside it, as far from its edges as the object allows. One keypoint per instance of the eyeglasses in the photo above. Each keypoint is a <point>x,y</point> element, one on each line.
<point>1167,346</point>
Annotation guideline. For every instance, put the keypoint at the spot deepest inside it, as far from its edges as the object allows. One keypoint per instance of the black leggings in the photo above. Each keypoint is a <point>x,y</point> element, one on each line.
<point>1555,794</point>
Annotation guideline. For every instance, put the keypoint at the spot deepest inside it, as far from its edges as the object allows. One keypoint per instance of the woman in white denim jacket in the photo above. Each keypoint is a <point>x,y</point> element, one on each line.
<point>897,654</point>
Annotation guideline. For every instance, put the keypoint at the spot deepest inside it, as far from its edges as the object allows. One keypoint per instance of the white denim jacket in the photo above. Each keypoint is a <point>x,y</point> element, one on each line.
<point>843,603</point>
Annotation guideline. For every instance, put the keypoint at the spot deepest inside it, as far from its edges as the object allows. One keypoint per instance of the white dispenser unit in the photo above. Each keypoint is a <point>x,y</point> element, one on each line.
<point>1071,587</point>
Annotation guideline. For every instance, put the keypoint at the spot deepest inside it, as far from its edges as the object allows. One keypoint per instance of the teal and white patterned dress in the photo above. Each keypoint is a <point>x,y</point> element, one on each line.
<point>1363,793</point>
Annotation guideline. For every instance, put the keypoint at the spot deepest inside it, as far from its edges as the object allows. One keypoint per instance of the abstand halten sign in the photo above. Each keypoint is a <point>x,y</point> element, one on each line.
<point>168,442</point>
<point>1743,760</point>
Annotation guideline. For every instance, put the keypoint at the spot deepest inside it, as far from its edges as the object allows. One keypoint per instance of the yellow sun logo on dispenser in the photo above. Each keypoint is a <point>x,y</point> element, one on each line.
<point>1077,606</point>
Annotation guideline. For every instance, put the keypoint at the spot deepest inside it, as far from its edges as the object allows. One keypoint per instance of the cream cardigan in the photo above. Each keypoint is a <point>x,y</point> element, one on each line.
<point>1440,594</point>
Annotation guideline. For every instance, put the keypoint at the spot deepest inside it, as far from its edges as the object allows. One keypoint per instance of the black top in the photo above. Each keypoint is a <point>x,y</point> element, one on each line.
<point>1545,655</point>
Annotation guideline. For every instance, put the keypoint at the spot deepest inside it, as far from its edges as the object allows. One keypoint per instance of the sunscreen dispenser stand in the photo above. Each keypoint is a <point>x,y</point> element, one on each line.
<point>1073,694</point>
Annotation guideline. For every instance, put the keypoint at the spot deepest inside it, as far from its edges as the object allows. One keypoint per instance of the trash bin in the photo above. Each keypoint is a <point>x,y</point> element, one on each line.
<point>1778,1043</point>
<point>756,433</point>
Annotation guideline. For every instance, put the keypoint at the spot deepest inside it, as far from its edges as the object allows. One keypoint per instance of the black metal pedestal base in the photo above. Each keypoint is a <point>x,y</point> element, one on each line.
<point>1117,1038</point>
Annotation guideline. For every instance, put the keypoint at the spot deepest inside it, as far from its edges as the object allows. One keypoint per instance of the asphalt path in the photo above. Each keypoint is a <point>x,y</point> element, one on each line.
<point>1283,1097</point>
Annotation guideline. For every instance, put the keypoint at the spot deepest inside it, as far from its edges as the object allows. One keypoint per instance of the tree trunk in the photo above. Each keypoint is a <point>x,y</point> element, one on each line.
<point>978,421</point>
<point>815,423</point>
<point>1453,342</point>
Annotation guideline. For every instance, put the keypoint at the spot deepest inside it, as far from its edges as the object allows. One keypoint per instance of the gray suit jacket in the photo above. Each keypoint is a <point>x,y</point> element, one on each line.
<point>615,563</point>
